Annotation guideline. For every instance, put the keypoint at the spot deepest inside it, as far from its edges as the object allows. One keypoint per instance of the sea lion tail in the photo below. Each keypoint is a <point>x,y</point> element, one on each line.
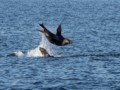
<point>42,26</point>
<point>43,30</point>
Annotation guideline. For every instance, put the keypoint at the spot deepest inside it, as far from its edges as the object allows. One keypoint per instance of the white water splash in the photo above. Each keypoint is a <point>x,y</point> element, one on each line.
<point>44,44</point>
<point>18,53</point>
<point>48,46</point>
<point>36,52</point>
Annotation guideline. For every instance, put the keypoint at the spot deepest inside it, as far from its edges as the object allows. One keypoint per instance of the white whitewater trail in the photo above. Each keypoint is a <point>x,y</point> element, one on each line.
<point>36,52</point>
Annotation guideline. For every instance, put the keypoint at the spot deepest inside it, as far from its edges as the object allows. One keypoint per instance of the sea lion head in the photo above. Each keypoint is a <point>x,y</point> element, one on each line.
<point>44,52</point>
<point>66,42</point>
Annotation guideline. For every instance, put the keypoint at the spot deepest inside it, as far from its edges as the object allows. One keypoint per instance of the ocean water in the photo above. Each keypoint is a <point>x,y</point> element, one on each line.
<point>91,62</point>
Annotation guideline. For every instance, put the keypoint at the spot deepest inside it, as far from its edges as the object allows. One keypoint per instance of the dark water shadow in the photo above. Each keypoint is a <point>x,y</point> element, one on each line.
<point>92,55</point>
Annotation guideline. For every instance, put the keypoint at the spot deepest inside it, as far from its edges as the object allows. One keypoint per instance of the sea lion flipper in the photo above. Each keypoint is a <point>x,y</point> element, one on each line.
<point>42,25</point>
<point>59,30</point>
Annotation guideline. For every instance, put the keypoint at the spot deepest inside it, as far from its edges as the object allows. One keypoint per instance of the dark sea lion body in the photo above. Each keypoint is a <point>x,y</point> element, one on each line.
<point>44,52</point>
<point>57,38</point>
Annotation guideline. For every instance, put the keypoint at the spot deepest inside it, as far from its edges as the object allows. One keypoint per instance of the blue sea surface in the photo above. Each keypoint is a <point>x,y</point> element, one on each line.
<point>91,62</point>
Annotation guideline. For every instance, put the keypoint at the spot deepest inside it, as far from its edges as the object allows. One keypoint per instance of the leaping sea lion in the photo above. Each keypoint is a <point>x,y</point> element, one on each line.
<point>57,38</point>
